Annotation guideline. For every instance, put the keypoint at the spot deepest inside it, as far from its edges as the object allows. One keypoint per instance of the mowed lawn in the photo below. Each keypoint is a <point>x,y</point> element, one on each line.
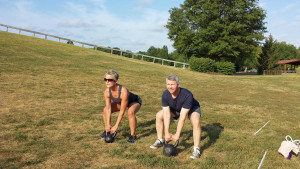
<point>51,102</point>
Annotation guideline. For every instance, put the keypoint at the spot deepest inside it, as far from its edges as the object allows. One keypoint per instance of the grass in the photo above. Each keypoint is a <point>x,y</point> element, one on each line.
<point>52,99</point>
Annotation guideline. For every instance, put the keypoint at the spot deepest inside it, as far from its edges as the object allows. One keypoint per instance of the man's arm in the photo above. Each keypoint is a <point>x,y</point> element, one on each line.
<point>183,113</point>
<point>167,118</point>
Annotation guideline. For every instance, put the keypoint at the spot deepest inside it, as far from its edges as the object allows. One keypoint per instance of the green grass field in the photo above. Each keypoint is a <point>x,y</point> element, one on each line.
<point>51,101</point>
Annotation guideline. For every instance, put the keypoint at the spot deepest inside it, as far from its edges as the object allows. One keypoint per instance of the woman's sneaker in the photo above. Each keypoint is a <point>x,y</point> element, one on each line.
<point>131,139</point>
<point>196,154</point>
<point>157,144</point>
<point>102,136</point>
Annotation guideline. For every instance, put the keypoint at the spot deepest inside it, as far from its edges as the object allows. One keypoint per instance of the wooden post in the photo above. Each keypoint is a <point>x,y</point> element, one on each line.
<point>6,29</point>
<point>46,37</point>
<point>284,68</point>
<point>19,31</point>
<point>142,57</point>
<point>120,53</point>
<point>162,62</point>
<point>111,51</point>
<point>174,64</point>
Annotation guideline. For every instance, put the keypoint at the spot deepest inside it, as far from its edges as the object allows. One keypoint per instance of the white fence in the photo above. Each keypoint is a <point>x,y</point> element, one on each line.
<point>83,44</point>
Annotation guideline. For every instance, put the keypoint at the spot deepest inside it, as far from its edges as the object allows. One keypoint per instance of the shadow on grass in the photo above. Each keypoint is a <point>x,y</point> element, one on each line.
<point>143,129</point>
<point>213,132</point>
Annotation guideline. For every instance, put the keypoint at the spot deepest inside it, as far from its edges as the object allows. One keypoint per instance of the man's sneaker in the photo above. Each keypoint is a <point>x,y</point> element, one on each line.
<point>157,144</point>
<point>102,136</point>
<point>196,154</point>
<point>131,139</point>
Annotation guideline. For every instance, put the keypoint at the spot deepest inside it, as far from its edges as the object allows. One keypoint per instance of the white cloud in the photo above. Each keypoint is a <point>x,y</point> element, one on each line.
<point>289,7</point>
<point>95,25</point>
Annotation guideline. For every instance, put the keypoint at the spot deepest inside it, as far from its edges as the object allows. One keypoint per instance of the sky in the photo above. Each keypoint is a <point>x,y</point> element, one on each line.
<point>133,25</point>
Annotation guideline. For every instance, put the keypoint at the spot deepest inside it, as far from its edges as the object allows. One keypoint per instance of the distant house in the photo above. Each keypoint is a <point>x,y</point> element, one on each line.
<point>294,64</point>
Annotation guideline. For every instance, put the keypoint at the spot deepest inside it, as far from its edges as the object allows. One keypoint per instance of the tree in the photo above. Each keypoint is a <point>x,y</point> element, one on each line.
<point>163,52</point>
<point>157,52</point>
<point>285,51</point>
<point>267,57</point>
<point>152,51</point>
<point>223,30</point>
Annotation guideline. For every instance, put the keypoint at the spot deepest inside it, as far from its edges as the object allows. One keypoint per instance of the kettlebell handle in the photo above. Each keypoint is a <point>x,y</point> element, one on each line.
<point>114,134</point>
<point>175,145</point>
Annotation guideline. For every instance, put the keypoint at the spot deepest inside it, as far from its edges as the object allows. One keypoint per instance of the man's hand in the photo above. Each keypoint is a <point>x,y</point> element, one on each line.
<point>175,137</point>
<point>168,137</point>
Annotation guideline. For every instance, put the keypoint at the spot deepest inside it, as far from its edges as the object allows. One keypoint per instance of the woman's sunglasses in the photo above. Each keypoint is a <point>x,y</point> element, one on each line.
<point>110,80</point>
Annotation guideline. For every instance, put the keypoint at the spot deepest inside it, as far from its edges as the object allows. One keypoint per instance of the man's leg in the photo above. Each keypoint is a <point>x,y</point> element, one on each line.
<point>159,124</point>
<point>195,120</point>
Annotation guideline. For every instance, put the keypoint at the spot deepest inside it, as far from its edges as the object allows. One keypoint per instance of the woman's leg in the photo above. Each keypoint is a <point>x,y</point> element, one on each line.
<point>132,110</point>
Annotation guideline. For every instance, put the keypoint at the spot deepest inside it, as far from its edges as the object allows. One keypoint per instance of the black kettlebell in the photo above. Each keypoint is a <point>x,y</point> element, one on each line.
<point>170,149</point>
<point>109,138</point>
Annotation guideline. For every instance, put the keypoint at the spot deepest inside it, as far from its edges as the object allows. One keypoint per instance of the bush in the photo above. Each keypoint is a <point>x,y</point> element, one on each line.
<point>226,68</point>
<point>202,64</point>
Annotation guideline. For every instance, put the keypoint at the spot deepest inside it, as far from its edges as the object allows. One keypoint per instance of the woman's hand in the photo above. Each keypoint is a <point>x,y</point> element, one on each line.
<point>108,128</point>
<point>113,129</point>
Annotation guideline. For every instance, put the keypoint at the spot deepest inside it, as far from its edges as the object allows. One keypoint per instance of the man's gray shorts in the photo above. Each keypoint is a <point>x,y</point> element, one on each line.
<point>194,109</point>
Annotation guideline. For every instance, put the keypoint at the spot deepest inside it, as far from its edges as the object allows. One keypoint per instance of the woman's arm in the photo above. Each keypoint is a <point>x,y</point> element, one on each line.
<point>108,110</point>
<point>124,103</point>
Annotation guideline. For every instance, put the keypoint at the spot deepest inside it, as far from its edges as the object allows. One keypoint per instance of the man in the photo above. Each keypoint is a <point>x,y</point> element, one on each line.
<point>177,103</point>
<point>118,98</point>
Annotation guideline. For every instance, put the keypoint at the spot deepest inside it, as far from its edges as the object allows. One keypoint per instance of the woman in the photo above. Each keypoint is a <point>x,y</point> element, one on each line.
<point>117,98</point>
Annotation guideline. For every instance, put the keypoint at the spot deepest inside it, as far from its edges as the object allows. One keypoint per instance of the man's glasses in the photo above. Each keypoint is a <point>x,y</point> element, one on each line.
<point>110,80</point>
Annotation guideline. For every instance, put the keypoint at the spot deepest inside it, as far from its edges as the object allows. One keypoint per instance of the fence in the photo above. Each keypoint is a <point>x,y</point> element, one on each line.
<point>112,50</point>
<point>272,72</point>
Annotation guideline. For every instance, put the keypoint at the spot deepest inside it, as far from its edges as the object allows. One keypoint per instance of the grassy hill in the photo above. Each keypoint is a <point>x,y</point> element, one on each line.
<point>51,101</point>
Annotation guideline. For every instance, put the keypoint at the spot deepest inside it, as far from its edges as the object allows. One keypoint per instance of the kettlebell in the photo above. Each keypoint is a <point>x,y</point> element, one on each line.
<point>170,149</point>
<point>109,138</point>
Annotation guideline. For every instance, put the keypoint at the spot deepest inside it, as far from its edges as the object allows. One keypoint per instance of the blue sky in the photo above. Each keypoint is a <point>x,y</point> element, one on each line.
<point>133,25</point>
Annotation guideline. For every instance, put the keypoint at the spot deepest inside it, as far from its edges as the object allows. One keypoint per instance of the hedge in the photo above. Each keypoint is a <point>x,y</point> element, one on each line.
<point>202,64</point>
<point>226,68</point>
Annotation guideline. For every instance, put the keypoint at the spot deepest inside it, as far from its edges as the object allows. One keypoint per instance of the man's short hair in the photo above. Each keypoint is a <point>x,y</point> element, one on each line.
<point>113,73</point>
<point>173,77</point>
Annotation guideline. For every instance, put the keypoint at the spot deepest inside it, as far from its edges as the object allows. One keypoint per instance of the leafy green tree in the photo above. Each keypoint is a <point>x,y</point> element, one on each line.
<point>163,52</point>
<point>223,30</point>
<point>267,58</point>
<point>284,51</point>
<point>152,51</point>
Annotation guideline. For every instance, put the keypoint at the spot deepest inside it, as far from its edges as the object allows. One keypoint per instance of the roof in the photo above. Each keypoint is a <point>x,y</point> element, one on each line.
<point>292,62</point>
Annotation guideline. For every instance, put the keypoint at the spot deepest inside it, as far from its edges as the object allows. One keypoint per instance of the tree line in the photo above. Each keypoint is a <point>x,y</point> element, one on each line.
<point>223,31</point>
